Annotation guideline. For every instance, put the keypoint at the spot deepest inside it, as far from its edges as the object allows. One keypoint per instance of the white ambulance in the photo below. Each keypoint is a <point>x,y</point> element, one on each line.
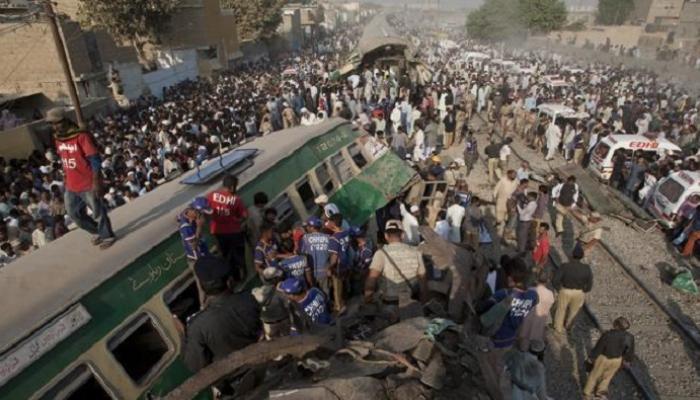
<point>672,193</point>
<point>602,157</point>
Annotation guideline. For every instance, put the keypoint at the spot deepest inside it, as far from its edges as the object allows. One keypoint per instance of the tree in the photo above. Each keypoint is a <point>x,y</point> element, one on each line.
<point>138,22</point>
<point>614,12</point>
<point>543,15</point>
<point>495,20</point>
<point>255,18</point>
<point>502,19</point>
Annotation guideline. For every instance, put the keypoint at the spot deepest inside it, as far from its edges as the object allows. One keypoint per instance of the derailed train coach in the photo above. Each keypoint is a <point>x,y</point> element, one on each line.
<point>380,46</point>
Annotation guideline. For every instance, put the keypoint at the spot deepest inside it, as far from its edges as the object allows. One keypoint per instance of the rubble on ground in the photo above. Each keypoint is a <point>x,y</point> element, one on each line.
<point>363,357</point>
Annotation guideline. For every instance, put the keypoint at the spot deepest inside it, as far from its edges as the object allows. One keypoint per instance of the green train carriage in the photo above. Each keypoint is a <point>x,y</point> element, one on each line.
<point>84,323</point>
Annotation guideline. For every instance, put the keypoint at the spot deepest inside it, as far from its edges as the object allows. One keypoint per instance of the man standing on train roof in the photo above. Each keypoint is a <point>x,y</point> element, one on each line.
<point>83,177</point>
<point>226,222</point>
<point>229,321</point>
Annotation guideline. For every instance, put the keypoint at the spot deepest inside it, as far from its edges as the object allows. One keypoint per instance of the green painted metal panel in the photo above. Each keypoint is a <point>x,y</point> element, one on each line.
<point>109,305</point>
<point>373,188</point>
<point>288,170</point>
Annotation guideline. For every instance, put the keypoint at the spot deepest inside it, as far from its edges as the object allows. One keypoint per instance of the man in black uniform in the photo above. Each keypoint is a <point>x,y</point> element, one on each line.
<point>614,349</point>
<point>228,322</point>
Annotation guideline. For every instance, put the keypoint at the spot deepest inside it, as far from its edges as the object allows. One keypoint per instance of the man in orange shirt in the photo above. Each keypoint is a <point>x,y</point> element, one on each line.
<point>225,225</point>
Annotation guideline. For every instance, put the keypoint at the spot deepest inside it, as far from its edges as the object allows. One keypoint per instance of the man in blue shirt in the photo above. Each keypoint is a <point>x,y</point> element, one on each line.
<point>311,306</point>
<point>363,251</point>
<point>191,224</point>
<point>340,259</point>
<point>297,266</point>
<point>314,244</point>
<point>265,254</point>
<point>523,300</point>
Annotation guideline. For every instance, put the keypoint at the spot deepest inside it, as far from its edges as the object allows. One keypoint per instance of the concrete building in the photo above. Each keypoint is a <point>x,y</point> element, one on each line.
<point>688,31</point>
<point>658,12</point>
<point>583,14</point>
<point>291,30</point>
<point>204,26</point>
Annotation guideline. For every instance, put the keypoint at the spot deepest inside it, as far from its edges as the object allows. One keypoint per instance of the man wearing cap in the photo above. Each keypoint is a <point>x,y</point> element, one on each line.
<point>309,306</point>
<point>83,178</point>
<point>396,267</point>
<point>191,227</point>
<point>226,222</point>
<point>573,280</point>
<point>229,321</point>
<point>314,244</point>
<point>340,260</point>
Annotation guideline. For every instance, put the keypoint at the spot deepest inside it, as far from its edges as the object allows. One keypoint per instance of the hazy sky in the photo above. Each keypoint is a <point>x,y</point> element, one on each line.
<point>475,3</point>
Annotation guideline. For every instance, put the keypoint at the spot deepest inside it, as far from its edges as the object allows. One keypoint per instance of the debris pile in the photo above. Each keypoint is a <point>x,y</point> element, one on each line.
<point>363,357</point>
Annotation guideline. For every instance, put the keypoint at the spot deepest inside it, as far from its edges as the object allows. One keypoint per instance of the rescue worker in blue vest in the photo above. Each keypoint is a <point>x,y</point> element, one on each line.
<point>314,244</point>
<point>340,260</point>
<point>191,225</point>
<point>296,265</point>
<point>363,251</point>
<point>308,308</point>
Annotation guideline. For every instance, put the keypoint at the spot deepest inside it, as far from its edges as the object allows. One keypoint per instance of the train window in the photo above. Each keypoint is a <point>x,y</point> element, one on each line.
<point>139,348</point>
<point>357,156</point>
<point>342,167</point>
<point>306,193</point>
<point>80,383</point>
<point>285,211</point>
<point>183,299</point>
<point>324,178</point>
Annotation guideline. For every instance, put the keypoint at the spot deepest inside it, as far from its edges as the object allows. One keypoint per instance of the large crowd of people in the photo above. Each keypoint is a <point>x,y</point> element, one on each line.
<point>311,272</point>
<point>156,139</point>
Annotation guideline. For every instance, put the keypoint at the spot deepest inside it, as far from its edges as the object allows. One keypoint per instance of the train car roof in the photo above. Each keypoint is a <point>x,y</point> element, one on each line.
<point>379,33</point>
<point>40,285</point>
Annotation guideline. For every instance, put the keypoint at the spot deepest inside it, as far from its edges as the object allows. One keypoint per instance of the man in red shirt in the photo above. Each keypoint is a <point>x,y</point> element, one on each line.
<point>225,224</point>
<point>83,179</point>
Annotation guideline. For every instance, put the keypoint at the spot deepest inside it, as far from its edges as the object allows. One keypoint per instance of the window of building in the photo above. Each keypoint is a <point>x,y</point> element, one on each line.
<point>342,167</point>
<point>183,299</point>
<point>285,211</point>
<point>81,383</point>
<point>139,348</point>
<point>357,156</point>
<point>324,178</point>
<point>307,194</point>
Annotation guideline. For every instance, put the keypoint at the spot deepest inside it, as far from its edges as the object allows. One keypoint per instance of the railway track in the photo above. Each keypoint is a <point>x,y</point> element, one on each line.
<point>667,349</point>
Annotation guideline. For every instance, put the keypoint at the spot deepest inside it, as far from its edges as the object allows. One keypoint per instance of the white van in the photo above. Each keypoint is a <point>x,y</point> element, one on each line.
<point>558,111</point>
<point>672,193</point>
<point>602,157</point>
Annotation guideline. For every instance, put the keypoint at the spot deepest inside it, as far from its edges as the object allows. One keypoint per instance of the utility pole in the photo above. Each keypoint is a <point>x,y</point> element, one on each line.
<point>63,58</point>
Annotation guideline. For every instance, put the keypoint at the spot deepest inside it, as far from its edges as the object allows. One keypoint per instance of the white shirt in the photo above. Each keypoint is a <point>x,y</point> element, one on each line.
<point>455,215</point>
<point>525,213</point>
<point>442,228</point>
<point>410,227</point>
<point>505,152</point>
